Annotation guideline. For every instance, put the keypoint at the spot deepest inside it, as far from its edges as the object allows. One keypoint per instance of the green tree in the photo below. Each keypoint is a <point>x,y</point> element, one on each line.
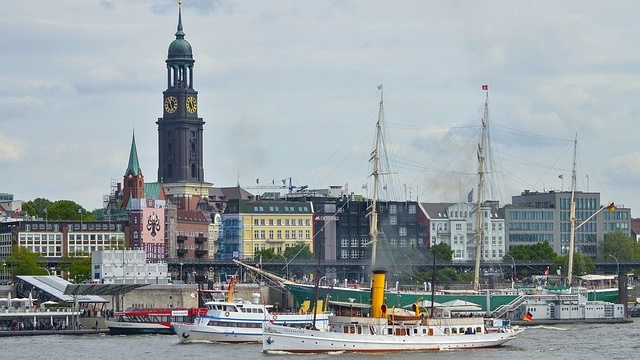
<point>537,252</point>
<point>619,245</point>
<point>78,266</point>
<point>582,264</point>
<point>443,252</point>
<point>23,262</point>
<point>266,254</point>
<point>298,252</point>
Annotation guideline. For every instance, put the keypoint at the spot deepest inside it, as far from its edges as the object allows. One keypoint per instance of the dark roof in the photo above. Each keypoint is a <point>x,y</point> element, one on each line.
<point>229,193</point>
<point>99,289</point>
<point>436,210</point>
<point>191,216</point>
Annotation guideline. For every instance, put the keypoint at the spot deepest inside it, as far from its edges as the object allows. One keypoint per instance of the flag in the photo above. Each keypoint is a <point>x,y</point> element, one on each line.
<point>380,87</point>
<point>258,181</point>
<point>45,210</point>
<point>546,271</point>
<point>17,211</point>
<point>364,186</point>
<point>79,211</point>
<point>485,87</point>
<point>560,176</point>
<point>346,187</point>
<point>470,196</point>
<point>612,207</point>
<point>528,317</point>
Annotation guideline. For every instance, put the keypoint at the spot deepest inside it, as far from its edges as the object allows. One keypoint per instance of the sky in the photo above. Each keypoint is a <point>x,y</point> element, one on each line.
<point>289,90</point>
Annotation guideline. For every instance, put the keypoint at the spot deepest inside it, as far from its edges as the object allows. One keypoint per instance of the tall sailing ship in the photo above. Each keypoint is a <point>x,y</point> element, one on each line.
<point>488,300</point>
<point>375,326</point>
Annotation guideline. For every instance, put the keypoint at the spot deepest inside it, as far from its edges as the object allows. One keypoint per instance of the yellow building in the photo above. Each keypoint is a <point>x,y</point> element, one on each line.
<point>250,226</point>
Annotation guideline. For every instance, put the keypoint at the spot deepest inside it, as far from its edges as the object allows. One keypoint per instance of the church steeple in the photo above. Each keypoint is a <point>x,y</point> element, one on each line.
<point>134,165</point>
<point>180,130</point>
<point>133,179</point>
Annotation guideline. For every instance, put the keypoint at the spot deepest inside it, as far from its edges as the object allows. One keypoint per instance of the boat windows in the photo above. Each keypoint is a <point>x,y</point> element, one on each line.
<point>446,331</point>
<point>478,330</point>
<point>454,330</point>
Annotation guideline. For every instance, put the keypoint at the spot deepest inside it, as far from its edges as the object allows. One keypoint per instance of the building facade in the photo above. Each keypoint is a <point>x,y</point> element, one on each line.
<point>250,226</point>
<point>536,217</point>
<point>456,225</point>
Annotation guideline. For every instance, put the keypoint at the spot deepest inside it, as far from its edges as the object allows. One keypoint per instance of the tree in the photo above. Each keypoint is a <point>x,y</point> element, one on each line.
<point>23,262</point>
<point>443,252</point>
<point>619,245</point>
<point>78,266</point>
<point>265,254</point>
<point>537,252</point>
<point>582,264</point>
<point>300,251</point>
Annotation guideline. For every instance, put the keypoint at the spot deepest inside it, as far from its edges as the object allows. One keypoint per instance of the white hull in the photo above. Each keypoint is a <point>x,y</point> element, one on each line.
<point>245,329</point>
<point>287,339</point>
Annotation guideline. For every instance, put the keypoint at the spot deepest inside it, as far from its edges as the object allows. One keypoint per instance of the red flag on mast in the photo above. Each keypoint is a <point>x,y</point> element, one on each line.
<point>485,87</point>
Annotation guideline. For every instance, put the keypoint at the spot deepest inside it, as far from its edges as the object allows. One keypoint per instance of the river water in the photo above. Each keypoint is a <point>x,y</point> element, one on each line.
<point>562,342</point>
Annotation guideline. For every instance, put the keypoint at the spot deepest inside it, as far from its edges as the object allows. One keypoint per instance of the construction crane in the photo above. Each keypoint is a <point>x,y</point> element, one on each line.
<point>273,186</point>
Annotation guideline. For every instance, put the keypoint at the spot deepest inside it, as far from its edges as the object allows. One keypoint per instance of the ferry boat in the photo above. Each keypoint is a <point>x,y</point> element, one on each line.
<point>150,321</point>
<point>351,330</point>
<point>230,320</point>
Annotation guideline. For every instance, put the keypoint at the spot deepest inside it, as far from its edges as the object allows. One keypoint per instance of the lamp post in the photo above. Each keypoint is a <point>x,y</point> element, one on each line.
<point>617,263</point>
<point>45,269</point>
<point>286,265</point>
<point>181,272</point>
<point>513,273</point>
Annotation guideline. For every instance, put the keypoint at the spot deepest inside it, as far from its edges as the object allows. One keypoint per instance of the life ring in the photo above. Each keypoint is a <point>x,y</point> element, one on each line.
<point>226,313</point>
<point>275,317</point>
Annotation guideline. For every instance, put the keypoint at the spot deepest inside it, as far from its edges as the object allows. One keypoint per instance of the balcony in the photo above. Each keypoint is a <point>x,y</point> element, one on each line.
<point>201,238</point>
<point>201,252</point>
<point>181,238</point>
<point>182,250</point>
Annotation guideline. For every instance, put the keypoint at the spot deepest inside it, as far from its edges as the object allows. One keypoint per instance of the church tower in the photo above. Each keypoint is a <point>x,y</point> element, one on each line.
<point>133,182</point>
<point>180,130</point>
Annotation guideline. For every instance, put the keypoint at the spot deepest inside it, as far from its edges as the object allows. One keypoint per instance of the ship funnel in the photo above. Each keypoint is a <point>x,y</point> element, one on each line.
<point>378,308</point>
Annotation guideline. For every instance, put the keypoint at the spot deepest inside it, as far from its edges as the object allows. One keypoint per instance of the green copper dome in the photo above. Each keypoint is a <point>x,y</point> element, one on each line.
<point>180,49</point>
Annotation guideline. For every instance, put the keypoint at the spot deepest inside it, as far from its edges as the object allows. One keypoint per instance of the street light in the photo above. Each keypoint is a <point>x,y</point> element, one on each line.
<point>181,271</point>
<point>45,269</point>
<point>286,265</point>
<point>513,274</point>
<point>617,263</point>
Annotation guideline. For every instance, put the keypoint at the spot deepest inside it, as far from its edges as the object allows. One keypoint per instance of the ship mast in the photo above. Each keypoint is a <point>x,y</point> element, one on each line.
<point>375,160</point>
<point>479,223</point>
<point>572,214</point>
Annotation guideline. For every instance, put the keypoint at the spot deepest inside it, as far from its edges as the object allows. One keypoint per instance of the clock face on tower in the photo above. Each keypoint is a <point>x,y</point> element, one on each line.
<point>192,104</point>
<point>171,104</point>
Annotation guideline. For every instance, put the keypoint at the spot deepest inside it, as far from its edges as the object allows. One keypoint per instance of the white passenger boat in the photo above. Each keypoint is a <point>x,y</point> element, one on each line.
<point>230,320</point>
<point>350,330</point>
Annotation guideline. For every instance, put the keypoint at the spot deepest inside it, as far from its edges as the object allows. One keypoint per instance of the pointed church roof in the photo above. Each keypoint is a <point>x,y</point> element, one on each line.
<point>134,165</point>
<point>180,49</point>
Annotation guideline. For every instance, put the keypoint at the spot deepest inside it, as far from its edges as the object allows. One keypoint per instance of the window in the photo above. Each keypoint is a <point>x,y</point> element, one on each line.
<point>270,234</point>
<point>393,209</point>
<point>393,220</point>
<point>279,234</point>
<point>402,230</point>
<point>354,242</point>
<point>344,243</point>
